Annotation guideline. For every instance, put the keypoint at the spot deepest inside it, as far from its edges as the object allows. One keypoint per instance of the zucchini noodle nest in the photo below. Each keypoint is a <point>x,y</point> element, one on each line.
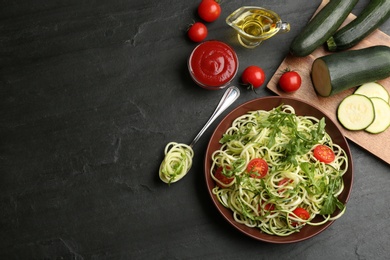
<point>177,162</point>
<point>295,178</point>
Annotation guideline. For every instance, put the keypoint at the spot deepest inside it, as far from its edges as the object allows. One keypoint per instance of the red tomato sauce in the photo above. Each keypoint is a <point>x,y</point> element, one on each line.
<point>213,64</point>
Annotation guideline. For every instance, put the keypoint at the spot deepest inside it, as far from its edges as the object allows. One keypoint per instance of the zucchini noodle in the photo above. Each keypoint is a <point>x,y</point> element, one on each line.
<point>295,177</point>
<point>177,162</point>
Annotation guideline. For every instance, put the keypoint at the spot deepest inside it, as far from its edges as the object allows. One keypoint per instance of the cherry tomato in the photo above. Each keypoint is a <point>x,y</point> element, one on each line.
<point>290,81</point>
<point>267,206</point>
<point>300,213</point>
<point>323,153</point>
<point>257,168</point>
<point>197,32</point>
<point>283,182</point>
<point>209,10</point>
<point>253,77</point>
<point>222,178</point>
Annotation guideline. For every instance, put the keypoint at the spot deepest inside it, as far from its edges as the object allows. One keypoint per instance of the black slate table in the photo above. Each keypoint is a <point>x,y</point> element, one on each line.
<point>90,94</point>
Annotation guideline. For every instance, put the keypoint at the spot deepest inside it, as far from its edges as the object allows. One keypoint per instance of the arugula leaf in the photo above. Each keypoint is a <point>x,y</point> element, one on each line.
<point>227,138</point>
<point>309,170</point>
<point>236,167</point>
<point>321,128</point>
<point>331,202</point>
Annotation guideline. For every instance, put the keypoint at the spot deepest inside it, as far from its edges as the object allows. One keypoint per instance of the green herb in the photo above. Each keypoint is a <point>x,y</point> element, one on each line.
<point>331,202</point>
<point>227,138</point>
<point>301,143</point>
<point>317,184</point>
<point>236,167</point>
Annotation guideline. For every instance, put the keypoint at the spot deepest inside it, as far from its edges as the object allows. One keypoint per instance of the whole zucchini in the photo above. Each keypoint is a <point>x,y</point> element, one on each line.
<point>322,26</point>
<point>373,15</point>
<point>339,71</point>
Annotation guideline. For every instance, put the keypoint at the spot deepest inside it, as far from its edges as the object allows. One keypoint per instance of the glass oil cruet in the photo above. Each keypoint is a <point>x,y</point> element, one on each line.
<point>255,24</point>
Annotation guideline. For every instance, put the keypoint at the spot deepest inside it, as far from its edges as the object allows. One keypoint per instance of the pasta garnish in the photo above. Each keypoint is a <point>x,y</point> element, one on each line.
<point>177,162</point>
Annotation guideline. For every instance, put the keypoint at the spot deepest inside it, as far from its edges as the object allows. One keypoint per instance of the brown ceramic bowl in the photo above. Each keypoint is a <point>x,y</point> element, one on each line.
<point>301,108</point>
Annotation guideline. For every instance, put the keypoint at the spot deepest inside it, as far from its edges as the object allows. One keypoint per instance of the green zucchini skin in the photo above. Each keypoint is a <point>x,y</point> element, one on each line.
<point>373,15</point>
<point>322,26</point>
<point>352,68</point>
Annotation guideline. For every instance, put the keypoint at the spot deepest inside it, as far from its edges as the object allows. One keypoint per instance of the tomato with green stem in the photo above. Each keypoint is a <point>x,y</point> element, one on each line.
<point>209,10</point>
<point>257,168</point>
<point>290,81</point>
<point>197,32</point>
<point>253,77</point>
<point>324,153</point>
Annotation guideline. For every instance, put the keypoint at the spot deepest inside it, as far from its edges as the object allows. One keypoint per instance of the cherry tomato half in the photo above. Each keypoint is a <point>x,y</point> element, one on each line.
<point>268,207</point>
<point>282,183</point>
<point>197,32</point>
<point>209,10</point>
<point>300,213</point>
<point>290,81</point>
<point>253,77</point>
<point>222,178</point>
<point>257,168</point>
<point>324,154</point>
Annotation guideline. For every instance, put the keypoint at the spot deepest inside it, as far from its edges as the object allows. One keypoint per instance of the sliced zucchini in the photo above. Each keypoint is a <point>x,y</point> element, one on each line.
<point>356,112</point>
<point>373,89</point>
<point>382,116</point>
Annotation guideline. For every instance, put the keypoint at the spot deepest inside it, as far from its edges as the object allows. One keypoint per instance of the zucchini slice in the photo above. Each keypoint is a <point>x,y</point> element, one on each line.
<point>356,112</point>
<point>373,89</point>
<point>382,116</point>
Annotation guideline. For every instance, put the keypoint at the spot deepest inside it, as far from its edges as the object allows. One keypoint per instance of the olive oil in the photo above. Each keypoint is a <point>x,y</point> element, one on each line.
<point>255,24</point>
<point>258,23</point>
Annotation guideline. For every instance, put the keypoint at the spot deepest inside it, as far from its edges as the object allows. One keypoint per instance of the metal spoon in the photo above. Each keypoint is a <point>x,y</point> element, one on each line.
<point>175,152</point>
<point>230,95</point>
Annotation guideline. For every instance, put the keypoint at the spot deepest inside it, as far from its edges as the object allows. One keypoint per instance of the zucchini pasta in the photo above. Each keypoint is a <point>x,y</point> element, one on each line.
<point>277,171</point>
<point>177,162</point>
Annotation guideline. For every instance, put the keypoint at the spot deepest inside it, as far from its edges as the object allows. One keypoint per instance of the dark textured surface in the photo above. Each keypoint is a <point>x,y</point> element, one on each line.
<point>90,94</point>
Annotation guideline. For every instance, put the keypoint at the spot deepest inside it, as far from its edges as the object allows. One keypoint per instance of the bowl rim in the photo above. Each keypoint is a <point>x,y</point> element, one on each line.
<point>272,101</point>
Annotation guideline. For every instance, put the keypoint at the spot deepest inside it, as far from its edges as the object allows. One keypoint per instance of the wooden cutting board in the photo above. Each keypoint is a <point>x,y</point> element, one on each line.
<point>377,144</point>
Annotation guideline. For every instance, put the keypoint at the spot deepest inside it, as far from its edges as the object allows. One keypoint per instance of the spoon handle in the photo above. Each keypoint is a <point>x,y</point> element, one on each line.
<point>230,95</point>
